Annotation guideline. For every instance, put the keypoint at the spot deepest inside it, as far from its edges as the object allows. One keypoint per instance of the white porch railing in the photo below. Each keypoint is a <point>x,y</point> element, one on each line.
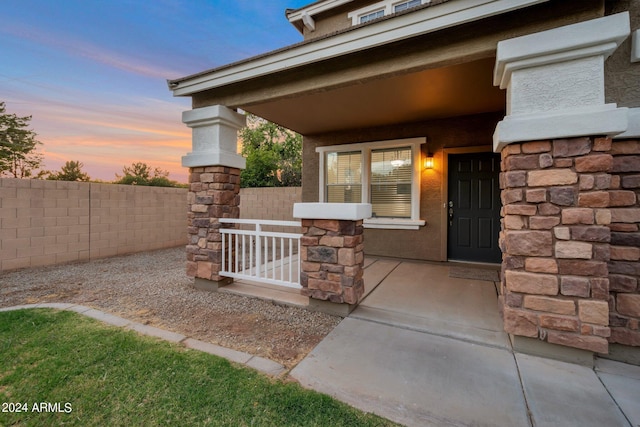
<point>261,256</point>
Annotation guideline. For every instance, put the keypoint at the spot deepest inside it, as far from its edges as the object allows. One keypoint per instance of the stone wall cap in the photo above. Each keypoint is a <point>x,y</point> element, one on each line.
<point>340,211</point>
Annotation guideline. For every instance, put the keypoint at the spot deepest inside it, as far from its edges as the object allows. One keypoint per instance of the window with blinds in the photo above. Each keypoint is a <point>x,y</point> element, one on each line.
<point>371,16</point>
<point>344,177</point>
<point>399,7</point>
<point>391,180</point>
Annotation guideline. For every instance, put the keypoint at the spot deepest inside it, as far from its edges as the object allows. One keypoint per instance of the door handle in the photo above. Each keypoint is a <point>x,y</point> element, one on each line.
<point>450,213</point>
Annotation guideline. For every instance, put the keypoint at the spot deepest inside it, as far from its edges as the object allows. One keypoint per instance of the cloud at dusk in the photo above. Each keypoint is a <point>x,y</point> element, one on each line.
<point>93,74</point>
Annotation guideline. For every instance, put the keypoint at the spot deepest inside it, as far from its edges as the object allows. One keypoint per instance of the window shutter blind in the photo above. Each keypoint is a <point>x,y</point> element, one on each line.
<point>344,177</point>
<point>391,178</point>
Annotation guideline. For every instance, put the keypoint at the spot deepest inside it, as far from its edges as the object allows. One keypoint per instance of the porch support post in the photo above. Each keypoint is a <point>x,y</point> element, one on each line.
<point>332,254</point>
<point>557,185</point>
<point>214,187</point>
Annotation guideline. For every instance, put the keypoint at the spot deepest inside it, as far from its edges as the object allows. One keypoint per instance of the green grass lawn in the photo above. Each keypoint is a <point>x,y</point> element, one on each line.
<point>87,373</point>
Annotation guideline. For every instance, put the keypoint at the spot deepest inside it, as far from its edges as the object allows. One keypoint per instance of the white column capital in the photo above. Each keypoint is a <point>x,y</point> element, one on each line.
<point>555,82</point>
<point>635,46</point>
<point>339,211</point>
<point>214,137</point>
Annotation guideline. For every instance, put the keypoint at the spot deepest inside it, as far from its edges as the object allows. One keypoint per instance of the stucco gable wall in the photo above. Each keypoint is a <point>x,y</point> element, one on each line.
<point>337,19</point>
<point>333,20</point>
<point>622,77</point>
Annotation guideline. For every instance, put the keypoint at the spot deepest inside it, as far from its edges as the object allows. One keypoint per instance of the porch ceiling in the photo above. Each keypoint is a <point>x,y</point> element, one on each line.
<point>451,91</point>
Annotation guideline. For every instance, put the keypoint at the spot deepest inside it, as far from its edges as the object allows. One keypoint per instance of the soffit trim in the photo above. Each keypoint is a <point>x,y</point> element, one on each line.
<point>428,20</point>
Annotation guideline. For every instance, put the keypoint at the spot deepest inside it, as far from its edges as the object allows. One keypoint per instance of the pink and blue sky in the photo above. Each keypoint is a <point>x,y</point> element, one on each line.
<point>93,73</point>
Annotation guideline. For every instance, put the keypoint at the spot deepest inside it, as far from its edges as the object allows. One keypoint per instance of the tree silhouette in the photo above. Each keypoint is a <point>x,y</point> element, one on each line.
<point>71,171</point>
<point>141,174</point>
<point>18,157</point>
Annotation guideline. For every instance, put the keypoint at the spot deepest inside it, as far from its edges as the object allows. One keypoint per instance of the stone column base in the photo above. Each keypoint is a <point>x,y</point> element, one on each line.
<point>329,307</point>
<point>535,347</point>
<point>211,285</point>
<point>623,353</point>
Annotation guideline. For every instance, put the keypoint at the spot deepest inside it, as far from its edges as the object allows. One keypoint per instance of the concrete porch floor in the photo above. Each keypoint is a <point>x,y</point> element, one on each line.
<point>427,349</point>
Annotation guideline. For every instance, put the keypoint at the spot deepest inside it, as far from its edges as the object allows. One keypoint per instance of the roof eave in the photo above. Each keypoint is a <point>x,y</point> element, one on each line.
<point>408,25</point>
<point>314,8</point>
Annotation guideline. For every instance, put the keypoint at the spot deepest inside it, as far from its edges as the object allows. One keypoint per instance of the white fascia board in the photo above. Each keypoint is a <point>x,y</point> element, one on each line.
<point>315,8</point>
<point>359,146</point>
<point>424,21</point>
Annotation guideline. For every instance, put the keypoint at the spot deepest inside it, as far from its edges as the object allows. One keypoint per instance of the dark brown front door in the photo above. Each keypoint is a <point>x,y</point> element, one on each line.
<point>474,207</point>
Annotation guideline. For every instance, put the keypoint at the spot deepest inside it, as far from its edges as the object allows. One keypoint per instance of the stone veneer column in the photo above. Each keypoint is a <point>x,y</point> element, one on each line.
<point>332,254</point>
<point>555,241</point>
<point>213,194</point>
<point>624,264</point>
<point>214,187</point>
<point>556,181</point>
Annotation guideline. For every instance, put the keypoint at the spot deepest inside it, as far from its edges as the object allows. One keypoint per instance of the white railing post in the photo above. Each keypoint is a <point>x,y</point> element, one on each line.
<point>224,251</point>
<point>258,249</point>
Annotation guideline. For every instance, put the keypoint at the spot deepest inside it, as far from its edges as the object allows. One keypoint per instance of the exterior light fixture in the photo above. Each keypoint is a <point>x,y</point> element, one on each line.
<point>428,161</point>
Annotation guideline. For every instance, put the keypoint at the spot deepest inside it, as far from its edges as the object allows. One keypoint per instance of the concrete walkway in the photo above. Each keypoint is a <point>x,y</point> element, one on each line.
<point>424,349</point>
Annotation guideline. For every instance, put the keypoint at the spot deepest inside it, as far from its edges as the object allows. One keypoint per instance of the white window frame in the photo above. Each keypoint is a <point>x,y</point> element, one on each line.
<point>365,148</point>
<point>387,5</point>
<point>364,15</point>
<point>395,5</point>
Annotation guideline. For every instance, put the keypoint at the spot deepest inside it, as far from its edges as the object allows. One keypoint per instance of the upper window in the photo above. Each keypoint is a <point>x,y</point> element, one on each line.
<point>385,174</point>
<point>382,8</point>
<point>399,7</point>
<point>371,16</point>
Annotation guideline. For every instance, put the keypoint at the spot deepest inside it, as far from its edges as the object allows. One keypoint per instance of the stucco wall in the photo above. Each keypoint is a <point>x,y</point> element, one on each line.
<point>622,77</point>
<point>425,243</point>
<point>333,20</point>
<point>53,222</point>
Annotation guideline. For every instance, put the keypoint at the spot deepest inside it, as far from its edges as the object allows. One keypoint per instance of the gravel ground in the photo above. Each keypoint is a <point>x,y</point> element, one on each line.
<point>152,288</point>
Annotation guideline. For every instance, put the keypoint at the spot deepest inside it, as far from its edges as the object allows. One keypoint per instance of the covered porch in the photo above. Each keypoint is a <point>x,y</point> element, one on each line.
<point>431,85</point>
<point>445,299</point>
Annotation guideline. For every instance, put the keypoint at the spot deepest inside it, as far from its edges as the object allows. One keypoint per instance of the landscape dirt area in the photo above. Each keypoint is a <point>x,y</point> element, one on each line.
<point>152,288</point>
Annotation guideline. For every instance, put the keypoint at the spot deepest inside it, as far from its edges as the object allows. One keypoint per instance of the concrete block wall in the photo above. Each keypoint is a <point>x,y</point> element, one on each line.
<point>42,223</point>
<point>53,222</point>
<point>270,203</point>
<point>274,203</point>
<point>129,218</point>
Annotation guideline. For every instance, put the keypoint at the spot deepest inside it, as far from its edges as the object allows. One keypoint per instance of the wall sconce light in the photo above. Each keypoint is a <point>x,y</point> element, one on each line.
<point>428,161</point>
